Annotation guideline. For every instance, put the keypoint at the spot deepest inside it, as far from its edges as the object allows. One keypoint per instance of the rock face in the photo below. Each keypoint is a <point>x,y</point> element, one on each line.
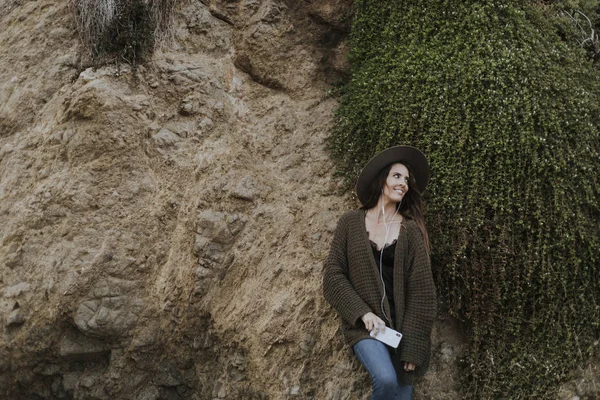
<point>164,228</point>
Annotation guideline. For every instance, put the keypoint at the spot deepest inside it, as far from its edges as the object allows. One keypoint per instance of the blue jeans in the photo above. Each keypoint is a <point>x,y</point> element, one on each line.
<point>376,359</point>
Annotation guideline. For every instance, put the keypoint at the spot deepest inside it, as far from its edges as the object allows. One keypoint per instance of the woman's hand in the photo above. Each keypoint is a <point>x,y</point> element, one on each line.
<point>409,367</point>
<point>373,322</point>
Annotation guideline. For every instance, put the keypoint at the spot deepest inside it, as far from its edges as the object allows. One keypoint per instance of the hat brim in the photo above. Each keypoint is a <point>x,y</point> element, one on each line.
<point>411,155</point>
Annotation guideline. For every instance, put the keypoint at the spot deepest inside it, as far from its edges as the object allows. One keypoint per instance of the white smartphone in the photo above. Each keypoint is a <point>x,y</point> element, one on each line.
<point>388,336</point>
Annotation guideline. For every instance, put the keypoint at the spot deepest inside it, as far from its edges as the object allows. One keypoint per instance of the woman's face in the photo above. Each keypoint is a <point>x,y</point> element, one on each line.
<point>396,184</point>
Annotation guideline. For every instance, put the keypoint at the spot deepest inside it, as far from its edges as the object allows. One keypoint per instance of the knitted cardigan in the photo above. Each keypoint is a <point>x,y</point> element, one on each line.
<point>352,285</point>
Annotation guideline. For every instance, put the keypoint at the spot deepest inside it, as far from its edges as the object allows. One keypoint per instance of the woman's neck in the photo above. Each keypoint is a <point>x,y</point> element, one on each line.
<point>384,211</point>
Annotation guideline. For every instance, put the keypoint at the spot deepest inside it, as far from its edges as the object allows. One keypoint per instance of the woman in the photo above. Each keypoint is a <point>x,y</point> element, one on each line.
<point>378,272</point>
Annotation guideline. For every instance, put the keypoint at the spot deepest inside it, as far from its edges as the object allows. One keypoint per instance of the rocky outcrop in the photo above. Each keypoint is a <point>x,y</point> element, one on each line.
<point>164,227</point>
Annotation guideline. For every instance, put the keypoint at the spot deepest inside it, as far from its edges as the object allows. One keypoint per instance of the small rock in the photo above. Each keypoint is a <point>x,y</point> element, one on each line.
<point>199,244</point>
<point>154,127</point>
<point>235,224</point>
<point>295,391</point>
<point>15,318</point>
<point>307,344</point>
<point>79,346</point>
<point>168,375</point>
<point>239,361</point>
<point>13,259</point>
<point>183,129</point>
<point>16,290</point>
<point>219,390</point>
<point>147,336</point>
<point>111,309</point>
<point>186,109</point>
<point>215,251</point>
<point>148,393</point>
<point>47,369</point>
<point>154,84</point>
<point>87,381</point>
<point>165,138</point>
<point>206,123</point>
<point>56,387</point>
<point>43,173</point>
<point>330,225</point>
<point>316,236</point>
<point>245,189</point>
<point>212,225</point>
<point>219,107</point>
<point>446,353</point>
<point>202,272</point>
<point>88,74</point>
<point>70,380</point>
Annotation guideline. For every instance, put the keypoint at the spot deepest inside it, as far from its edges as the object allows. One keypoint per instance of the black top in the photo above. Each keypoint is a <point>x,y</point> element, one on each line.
<point>387,262</point>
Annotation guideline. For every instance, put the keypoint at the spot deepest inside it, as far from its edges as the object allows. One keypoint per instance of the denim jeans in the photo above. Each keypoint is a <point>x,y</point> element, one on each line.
<point>376,359</point>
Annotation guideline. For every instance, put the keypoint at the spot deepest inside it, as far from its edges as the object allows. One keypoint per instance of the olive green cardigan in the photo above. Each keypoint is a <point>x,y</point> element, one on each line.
<point>353,287</point>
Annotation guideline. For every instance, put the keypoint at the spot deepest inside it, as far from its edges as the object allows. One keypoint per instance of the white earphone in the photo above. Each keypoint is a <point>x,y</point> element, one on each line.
<point>387,231</point>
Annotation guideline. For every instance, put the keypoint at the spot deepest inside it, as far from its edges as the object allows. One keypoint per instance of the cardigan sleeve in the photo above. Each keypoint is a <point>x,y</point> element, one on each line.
<point>420,308</point>
<point>337,288</point>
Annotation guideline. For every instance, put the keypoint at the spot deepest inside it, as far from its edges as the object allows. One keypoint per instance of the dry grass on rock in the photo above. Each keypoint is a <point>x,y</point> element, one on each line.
<point>125,30</point>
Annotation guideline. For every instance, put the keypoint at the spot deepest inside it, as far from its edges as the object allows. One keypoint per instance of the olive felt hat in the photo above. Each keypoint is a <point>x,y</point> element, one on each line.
<point>409,154</point>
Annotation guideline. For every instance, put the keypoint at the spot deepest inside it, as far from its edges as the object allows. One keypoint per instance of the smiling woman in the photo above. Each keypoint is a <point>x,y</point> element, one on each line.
<point>378,272</point>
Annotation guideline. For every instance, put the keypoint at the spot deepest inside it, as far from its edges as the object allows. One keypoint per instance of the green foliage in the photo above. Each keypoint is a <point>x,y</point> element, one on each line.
<point>507,108</point>
<point>579,22</point>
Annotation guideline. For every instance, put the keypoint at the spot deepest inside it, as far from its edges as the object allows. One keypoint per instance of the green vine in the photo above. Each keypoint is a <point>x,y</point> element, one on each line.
<point>507,108</point>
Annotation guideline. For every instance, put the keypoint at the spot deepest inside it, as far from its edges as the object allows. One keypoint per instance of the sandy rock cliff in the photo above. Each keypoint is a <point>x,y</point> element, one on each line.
<point>163,228</point>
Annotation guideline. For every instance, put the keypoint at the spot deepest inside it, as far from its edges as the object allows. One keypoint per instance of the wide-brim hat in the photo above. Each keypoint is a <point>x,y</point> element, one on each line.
<point>416,160</point>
